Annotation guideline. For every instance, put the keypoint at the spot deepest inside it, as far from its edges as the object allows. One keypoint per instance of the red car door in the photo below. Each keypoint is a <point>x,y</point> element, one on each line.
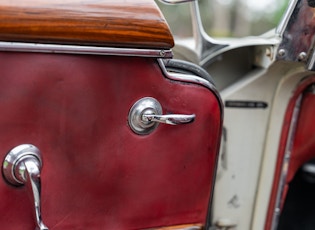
<point>124,142</point>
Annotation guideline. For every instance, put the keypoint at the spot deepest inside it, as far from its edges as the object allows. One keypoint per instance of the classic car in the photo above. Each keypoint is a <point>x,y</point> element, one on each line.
<point>96,131</point>
<point>265,175</point>
<point>111,121</point>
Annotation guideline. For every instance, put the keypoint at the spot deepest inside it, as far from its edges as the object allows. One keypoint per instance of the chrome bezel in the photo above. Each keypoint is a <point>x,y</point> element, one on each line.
<point>13,158</point>
<point>142,106</point>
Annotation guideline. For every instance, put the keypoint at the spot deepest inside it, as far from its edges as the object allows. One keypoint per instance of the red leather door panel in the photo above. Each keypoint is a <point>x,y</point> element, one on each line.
<point>97,173</point>
<point>299,121</point>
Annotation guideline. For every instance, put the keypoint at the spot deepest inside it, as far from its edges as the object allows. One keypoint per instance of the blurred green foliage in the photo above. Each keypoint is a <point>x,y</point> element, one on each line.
<point>235,18</point>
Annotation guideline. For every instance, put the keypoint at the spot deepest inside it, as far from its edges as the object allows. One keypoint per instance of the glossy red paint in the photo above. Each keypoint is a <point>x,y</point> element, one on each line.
<point>97,173</point>
<point>303,142</point>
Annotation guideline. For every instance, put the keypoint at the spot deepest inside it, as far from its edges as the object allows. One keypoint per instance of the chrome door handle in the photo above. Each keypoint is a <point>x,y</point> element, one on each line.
<point>171,119</point>
<point>22,166</point>
<point>146,114</point>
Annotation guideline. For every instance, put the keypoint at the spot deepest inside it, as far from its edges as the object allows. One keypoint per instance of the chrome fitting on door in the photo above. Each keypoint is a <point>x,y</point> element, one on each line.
<point>146,114</point>
<point>22,166</point>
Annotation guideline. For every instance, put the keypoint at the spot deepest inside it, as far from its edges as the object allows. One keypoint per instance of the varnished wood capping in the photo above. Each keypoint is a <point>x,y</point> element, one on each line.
<point>116,23</point>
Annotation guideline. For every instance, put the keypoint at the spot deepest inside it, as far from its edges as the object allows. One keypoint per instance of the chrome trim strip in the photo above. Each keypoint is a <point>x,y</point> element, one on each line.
<point>191,79</point>
<point>76,49</point>
<point>286,18</point>
<point>285,163</point>
<point>311,63</point>
<point>204,44</point>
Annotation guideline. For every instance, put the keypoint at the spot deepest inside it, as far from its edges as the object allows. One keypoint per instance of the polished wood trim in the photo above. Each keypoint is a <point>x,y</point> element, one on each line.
<point>119,23</point>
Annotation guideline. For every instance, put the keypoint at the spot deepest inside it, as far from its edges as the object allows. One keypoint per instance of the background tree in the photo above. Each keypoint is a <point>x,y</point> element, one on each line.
<point>236,18</point>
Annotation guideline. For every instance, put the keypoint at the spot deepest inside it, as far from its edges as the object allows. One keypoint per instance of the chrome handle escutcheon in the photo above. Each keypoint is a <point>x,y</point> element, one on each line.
<point>22,166</point>
<point>146,114</point>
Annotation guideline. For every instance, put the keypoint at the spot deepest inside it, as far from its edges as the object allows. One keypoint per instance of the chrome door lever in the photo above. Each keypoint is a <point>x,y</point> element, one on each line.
<point>171,119</point>
<point>146,114</point>
<point>22,166</point>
